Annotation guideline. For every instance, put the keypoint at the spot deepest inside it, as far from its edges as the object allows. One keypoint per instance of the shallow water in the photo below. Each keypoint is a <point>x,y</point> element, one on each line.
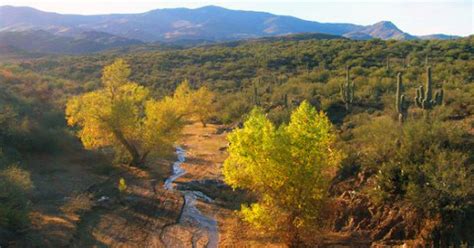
<point>191,214</point>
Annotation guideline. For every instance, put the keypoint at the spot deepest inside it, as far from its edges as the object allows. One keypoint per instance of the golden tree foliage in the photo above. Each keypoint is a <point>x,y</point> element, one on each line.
<point>197,105</point>
<point>121,115</point>
<point>183,95</point>
<point>203,104</point>
<point>289,168</point>
<point>163,124</point>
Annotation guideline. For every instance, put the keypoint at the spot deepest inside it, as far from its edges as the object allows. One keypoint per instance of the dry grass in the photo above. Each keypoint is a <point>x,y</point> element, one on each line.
<point>78,204</point>
<point>204,152</point>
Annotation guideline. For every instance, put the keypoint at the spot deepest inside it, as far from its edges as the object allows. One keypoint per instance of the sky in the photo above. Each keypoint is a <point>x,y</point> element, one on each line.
<point>418,17</point>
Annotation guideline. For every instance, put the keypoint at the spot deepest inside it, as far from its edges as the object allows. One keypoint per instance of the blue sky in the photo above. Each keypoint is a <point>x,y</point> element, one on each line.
<point>416,17</point>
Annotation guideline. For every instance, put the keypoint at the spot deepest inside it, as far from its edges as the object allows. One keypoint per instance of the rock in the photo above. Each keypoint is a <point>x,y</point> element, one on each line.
<point>103,198</point>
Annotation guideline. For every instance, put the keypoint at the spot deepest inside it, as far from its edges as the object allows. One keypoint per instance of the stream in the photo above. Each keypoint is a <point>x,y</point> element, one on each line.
<point>190,213</point>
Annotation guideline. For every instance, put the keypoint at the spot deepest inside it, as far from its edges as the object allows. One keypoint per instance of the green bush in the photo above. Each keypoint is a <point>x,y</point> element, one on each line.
<point>15,184</point>
<point>427,163</point>
<point>231,108</point>
<point>376,141</point>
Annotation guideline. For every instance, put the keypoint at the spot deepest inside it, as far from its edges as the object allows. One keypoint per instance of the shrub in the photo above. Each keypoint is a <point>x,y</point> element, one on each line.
<point>289,168</point>
<point>376,141</point>
<point>15,184</point>
<point>429,165</point>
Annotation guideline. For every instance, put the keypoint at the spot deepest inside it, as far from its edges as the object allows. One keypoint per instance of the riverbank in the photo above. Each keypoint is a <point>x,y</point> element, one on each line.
<point>200,228</point>
<point>205,153</point>
<point>79,205</point>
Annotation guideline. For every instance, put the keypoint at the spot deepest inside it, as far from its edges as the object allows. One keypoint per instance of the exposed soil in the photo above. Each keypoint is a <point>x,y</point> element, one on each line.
<point>76,203</point>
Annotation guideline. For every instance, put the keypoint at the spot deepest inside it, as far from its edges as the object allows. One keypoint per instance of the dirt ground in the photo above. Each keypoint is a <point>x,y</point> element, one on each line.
<point>205,156</point>
<point>76,202</point>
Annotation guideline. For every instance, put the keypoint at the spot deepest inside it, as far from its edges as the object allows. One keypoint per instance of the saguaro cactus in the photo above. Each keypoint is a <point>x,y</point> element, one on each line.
<point>424,98</point>
<point>400,102</point>
<point>255,94</point>
<point>347,91</point>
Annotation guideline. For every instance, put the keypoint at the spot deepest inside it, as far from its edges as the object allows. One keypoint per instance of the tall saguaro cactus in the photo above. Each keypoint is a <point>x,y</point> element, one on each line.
<point>400,102</point>
<point>347,90</point>
<point>424,98</point>
<point>255,94</point>
<point>285,100</point>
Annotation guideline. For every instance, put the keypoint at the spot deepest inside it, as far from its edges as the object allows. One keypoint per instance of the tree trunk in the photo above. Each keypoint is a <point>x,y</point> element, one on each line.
<point>143,158</point>
<point>294,239</point>
<point>137,160</point>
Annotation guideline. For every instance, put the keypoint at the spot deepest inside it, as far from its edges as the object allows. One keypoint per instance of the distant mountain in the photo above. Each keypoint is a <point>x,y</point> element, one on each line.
<point>209,23</point>
<point>384,30</point>
<point>439,37</point>
<point>40,41</point>
<point>7,51</point>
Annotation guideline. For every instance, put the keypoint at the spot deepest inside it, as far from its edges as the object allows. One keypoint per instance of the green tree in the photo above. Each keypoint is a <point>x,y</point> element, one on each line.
<point>203,104</point>
<point>197,105</point>
<point>121,115</point>
<point>289,168</point>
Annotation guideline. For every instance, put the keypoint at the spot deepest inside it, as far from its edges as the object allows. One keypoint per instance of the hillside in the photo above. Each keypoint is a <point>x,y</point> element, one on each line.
<point>45,42</point>
<point>9,52</point>
<point>363,175</point>
<point>209,23</point>
<point>384,30</point>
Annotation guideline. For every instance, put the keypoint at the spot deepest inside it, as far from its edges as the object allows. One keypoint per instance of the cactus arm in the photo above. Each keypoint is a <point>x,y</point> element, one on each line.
<point>441,97</point>
<point>425,104</point>
<point>399,89</point>
<point>424,98</point>
<point>400,101</point>
<point>417,98</point>
<point>403,103</point>
<point>422,94</point>
<point>347,90</point>
<point>428,93</point>
<point>342,92</point>
<point>352,89</point>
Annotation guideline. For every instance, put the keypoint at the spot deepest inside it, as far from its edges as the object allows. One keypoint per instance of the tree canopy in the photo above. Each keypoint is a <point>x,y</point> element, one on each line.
<point>122,115</point>
<point>289,168</point>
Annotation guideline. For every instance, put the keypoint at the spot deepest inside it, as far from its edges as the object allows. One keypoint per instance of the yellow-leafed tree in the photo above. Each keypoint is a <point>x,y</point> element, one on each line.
<point>197,105</point>
<point>203,104</point>
<point>288,168</point>
<point>121,115</point>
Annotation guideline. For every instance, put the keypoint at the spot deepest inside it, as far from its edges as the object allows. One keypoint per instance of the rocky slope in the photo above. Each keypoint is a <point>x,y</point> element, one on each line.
<point>209,23</point>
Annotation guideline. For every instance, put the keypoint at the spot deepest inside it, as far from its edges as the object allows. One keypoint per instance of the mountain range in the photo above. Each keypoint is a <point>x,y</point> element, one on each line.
<point>38,31</point>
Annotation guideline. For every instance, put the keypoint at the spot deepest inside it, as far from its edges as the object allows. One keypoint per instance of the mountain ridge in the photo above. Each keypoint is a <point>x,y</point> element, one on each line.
<point>211,23</point>
<point>46,42</point>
